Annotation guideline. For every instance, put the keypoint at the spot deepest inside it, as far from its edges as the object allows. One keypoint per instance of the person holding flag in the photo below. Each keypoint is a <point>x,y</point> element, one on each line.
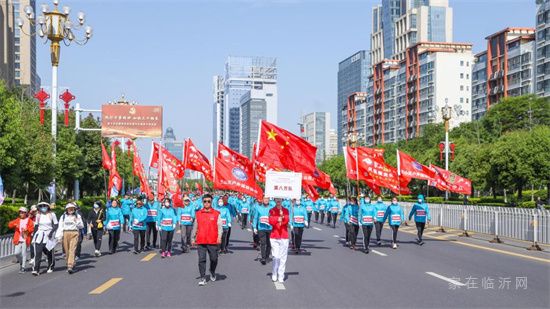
<point>186,216</point>
<point>298,219</point>
<point>113,222</point>
<point>422,216</point>
<point>380,208</point>
<point>263,227</point>
<point>166,223</point>
<point>138,216</point>
<point>278,219</point>
<point>152,207</point>
<point>394,215</point>
<point>367,213</point>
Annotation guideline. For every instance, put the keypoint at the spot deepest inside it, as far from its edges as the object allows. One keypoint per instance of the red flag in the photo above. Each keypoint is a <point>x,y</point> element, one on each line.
<point>318,179</point>
<point>105,160</point>
<point>115,181</point>
<point>139,171</point>
<point>410,168</point>
<point>446,180</point>
<point>280,149</point>
<point>352,167</point>
<point>372,168</point>
<point>169,158</point>
<point>199,187</point>
<point>259,168</point>
<point>229,154</point>
<point>196,160</point>
<point>311,192</point>
<point>230,176</point>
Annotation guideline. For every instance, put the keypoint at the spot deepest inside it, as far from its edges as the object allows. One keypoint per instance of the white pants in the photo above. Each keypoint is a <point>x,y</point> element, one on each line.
<point>21,253</point>
<point>279,252</point>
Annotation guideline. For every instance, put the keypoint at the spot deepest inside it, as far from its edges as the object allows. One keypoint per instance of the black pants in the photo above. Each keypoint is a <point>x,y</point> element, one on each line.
<point>333,216</point>
<point>114,236</point>
<point>367,230</point>
<point>298,232</point>
<point>347,231</point>
<point>151,228</point>
<point>322,213</point>
<point>227,239</point>
<point>255,239</point>
<point>329,218</point>
<point>265,244</point>
<point>420,229</point>
<point>316,216</point>
<point>166,240</point>
<point>38,250</point>
<point>244,218</point>
<point>309,219</point>
<point>223,246</point>
<point>97,235</point>
<point>126,221</point>
<point>139,240</point>
<point>353,231</point>
<point>78,250</point>
<point>394,229</point>
<point>212,253</point>
<point>378,226</point>
<point>186,237</point>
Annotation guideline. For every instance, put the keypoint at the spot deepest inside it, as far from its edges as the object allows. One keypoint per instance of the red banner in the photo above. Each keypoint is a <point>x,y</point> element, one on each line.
<point>170,168</point>
<point>195,160</point>
<point>173,161</point>
<point>410,168</point>
<point>124,120</point>
<point>352,166</point>
<point>318,179</point>
<point>259,168</point>
<point>139,171</point>
<point>115,181</point>
<point>231,176</point>
<point>105,160</point>
<point>373,168</point>
<point>446,180</point>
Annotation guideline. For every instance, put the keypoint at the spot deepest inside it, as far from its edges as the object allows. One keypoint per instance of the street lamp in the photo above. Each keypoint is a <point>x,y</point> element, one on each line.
<point>55,26</point>
<point>446,112</point>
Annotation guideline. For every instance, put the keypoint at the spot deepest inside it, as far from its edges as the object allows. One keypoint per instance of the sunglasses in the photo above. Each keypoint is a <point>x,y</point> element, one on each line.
<point>207,201</point>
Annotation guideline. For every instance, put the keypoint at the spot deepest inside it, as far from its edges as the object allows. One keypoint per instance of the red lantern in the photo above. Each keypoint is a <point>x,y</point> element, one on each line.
<point>42,96</point>
<point>129,145</point>
<point>117,143</point>
<point>441,150</point>
<point>452,145</point>
<point>67,97</point>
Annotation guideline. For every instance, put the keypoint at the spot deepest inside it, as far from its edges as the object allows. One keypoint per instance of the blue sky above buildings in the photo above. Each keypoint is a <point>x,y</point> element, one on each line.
<point>166,52</point>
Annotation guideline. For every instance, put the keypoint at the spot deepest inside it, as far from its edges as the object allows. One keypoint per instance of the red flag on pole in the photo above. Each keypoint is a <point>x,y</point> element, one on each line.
<point>352,168</point>
<point>105,160</point>
<point>115,181</point>
<point>280,149</point>
<point>259,168</point>
<point>169,158</point>
<point>198,186</point>
<point>318,179</point>
<point>139,171</point>
<point>230,175</point>
<point>446,180</point>
<point>372,168</point>
<point>311,192</point>
<point>196,160</point>
<point>410,168</point>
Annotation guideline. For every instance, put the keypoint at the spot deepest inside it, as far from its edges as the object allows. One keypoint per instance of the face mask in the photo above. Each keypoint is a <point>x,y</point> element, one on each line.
<point>220,203</point>
<point>394,202</point>
<point>96,206</point>
<point>298,203</point>
<point>367,201</point>
<point>166,204</point>
<point>379,200</point>
<point>420,201</point>
<point>43,209</point>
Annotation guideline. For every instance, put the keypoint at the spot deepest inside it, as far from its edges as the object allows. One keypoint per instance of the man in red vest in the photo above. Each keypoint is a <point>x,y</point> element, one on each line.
<point>278,219</point>
<point>207,234</point>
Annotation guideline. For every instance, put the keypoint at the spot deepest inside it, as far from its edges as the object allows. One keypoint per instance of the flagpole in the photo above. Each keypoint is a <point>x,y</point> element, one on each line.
<point>347,179</point>
<point>398,173</point>
<point>357,169</point>
<point>105,183</point>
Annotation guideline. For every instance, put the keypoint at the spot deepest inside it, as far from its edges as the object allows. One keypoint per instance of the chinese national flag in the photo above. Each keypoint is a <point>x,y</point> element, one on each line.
<point>280,149</point>
<point>446,180</point>
<point>259,168</point>
<point>167,158</point>
<point>195,160</point>
<point>410,168</point>
<point>105,160</point>
<point>139,171</point>
<point>229,175</point>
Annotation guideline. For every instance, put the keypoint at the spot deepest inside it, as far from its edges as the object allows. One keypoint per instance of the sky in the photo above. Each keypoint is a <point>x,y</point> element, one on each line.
<point>165,52</point>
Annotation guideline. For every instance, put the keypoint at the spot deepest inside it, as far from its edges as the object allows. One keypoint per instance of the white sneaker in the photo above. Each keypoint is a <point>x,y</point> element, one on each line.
<point>394,246</point>
<point>213,277</point>
<point>202,282</point>
<point>274,278</point>
<point>281,280</point>
<point>31,262</point>
<point>50,270</point>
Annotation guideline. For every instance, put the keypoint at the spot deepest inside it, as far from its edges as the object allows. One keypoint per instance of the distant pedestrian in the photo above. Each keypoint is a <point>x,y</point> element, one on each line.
<point>540,203</point>
<point>138,215</point>
<point>70,224</point>
<point>278,219</point>
<point>113,224</point>
<point>394,215</point>
<point>45,228</point>
<point>367,213</point>
<point>422,217</point>
<point>166,223</point>
<point>263,228</point>
<point>23,226</point>
<point>379,219</point>
<point>207,234</point>
<point>95,219</point>
<point>186,216</point>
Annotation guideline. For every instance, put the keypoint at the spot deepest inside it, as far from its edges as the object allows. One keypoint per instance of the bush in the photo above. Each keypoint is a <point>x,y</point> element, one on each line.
<point>8,213</point>
<point>528,204</point>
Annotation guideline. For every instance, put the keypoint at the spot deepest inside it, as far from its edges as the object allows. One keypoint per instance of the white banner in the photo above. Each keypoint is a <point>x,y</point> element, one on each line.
<point>283,184</point>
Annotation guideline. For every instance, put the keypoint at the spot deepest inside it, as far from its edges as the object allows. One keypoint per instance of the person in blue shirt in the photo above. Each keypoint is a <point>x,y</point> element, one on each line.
<point>138,215</point>
<point>394,215</point>
<point>262,227</point>
<point>126,205</point>
<point>422,216</point>
<point>186,216</point>
<point>255,238</point>
<point>334,208</point>
<point>224,202</point>
<point>225,217</point>
<point>343,215</point>
<point>322,208</point>
<point>308,203</point>
<point>352,219</point>
<point>152,207</point>
<point>244,210</point>
<point>298,220</point>
<point>380,208</point>
<point>166,223</point>
<point>367,213</point>
<point>113,222</point>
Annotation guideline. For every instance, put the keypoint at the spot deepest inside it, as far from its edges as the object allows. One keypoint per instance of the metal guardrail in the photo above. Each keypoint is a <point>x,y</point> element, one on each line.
<point>7,248</point>
<point>517,223</point>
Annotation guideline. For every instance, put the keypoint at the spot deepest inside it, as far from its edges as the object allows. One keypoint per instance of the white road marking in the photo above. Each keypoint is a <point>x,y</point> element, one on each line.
<point>445,278</point>
<point>379,253</point>
<point>316,228</point>
<point>248,229</point>
<point>279,286</point>
<point>336,236</point>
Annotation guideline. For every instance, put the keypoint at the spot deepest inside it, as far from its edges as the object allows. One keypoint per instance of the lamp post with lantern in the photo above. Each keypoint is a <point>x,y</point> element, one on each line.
<point>446,112</point>
<point>56,26</point>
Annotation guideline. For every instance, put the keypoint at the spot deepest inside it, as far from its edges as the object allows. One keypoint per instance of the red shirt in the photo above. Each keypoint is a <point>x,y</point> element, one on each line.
<point>14,224</point>
<point>280,229</point>
<point>207,227</point>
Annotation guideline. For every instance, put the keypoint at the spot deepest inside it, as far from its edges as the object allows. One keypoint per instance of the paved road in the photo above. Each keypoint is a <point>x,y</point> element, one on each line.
<point>327,276</point>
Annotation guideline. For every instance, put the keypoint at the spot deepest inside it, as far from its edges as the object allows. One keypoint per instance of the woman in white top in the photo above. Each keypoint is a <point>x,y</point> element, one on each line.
<point>69,225</point>
<point>44,231</point>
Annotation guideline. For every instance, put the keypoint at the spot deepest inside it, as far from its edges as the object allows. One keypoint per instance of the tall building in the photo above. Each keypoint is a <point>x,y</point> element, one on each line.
<point>404,96</point>
<point>400,24</point>
<point>316,130</point>
<point>353,74</point>
<point>542,69</point>
<point>243,74</point>
<point>332,143</point>
<point>505,69</point>
<point>218,129</point>
<point>18,46</point>
<point>256,105</point>
<point>170,143</point>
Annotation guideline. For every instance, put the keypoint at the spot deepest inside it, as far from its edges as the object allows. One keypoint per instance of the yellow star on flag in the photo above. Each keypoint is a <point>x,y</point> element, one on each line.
<point>271,135</point>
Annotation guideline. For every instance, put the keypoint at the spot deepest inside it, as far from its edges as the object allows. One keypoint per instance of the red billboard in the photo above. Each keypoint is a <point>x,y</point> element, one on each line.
<point>120,120</point>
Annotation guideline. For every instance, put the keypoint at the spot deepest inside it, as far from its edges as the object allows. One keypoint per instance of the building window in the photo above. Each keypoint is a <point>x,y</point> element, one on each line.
<point>467,76</point>
<point>467,100</point>
<point>461,100</point>
<point>461,75</point>
<point>461,63</point>
<point>461,88</point>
